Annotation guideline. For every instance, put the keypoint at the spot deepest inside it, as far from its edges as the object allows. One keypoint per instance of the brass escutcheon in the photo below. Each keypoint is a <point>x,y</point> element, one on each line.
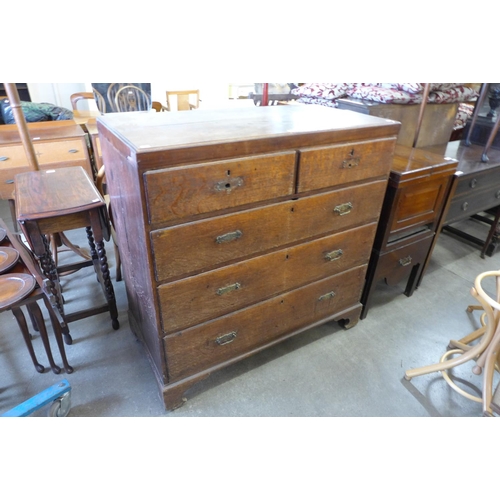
<point>350,162</point>
<point>343,209</point>
<point>226,338</point>
<point>224,238</point>
<point>328,295</point>
<point>229,184</point>
<point>406,261</point>
<point>336,254</point>
<point>229,288</point>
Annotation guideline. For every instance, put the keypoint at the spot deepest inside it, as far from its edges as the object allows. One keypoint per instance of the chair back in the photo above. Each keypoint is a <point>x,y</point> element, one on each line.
<point>132,98</point>
<point>92,96</point>
<point>182,100</point>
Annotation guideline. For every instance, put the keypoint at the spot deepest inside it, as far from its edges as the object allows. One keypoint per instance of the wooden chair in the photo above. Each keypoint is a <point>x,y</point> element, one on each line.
<point>180,100</point>
<point>485,353</point>
<point>100,184</point>
<point>132,98</point>
<point>158,106</point>
<point>93,96</point>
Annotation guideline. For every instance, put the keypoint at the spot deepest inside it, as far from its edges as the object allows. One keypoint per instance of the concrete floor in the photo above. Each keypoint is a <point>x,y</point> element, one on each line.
<point>327,371</point>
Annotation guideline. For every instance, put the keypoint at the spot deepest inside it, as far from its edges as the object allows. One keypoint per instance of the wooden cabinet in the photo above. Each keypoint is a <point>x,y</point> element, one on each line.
<point>417,191</point>
<point>56,143</point>
<point>240,228</point>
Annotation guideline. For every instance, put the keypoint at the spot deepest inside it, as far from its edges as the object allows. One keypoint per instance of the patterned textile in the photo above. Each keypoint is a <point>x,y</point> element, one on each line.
<point>465,111</point>
<point>384,95</point>
<point>317,100</point>
<point>323,90</point>
<point>455,94</point>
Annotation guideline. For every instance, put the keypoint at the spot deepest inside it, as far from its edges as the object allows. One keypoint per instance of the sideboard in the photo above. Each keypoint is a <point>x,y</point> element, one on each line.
<point>240,228</point>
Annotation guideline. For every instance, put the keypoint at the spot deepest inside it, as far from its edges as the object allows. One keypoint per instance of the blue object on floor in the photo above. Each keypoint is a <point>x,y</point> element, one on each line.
<point>58,394</point>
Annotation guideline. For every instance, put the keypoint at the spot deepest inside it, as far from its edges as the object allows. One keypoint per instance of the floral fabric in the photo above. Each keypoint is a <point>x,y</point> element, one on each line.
<point>322,90</point>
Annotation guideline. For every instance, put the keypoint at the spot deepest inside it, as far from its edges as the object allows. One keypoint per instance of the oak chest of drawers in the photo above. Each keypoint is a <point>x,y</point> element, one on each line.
<point>240,228</point>
<point>56,143</point>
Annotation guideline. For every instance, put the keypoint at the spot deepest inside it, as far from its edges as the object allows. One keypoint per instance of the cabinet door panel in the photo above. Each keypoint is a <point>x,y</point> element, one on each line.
<point>209,344</point>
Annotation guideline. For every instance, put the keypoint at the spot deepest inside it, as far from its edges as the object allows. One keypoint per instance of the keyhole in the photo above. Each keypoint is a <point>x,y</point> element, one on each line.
<point>229,172</point>
<point>352,152</point>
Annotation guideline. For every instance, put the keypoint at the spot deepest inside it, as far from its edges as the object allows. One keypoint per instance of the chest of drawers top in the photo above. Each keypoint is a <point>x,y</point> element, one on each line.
<point>177,138</point>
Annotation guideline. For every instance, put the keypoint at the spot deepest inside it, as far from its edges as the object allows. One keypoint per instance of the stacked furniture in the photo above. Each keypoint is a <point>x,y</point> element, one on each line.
<point>417,192</point>
<point>240,228</point>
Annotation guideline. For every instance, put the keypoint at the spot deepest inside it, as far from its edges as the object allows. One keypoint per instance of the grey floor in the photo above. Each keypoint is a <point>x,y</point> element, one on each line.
<point>326,372</point>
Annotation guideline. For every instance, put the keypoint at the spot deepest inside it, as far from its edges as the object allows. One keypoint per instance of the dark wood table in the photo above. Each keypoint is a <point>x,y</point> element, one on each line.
<point>53,201</point>
<point>475,189</point>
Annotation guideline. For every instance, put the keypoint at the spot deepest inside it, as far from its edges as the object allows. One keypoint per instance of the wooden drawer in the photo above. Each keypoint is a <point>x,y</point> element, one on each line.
<point>7,185</point>
<point>398,263</point>
<point>332,166</point>
<point>203,297</point>
<point>488,179</point>
<point>12,156</point>
<point>462,207</point>
<point>179,192</point>
<point>225,338</point>
<point>61,151</point>
<point>47,153</point>
<point>207,244</point>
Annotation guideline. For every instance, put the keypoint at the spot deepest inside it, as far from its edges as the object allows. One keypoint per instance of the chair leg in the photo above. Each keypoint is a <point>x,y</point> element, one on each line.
<point>21,321</point>
<point>37,314</point>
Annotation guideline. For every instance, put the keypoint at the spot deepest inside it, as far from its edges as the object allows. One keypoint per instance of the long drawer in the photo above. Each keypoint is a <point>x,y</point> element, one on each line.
<point>467,205</point>
<point>209,344</point>
<point>200,298</point>
<point>336,165</point>
<point>179,192</point>
<point>204,245</point>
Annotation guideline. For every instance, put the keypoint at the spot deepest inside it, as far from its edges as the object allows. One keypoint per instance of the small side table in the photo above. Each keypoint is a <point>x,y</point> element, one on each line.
<point>53,201</point>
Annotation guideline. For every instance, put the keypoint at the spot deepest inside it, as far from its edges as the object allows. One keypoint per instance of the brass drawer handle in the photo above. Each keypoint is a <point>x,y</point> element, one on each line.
<point>465,206</point>
<point>4,158</point>
<point>336,254</point>
<point>343,209</point>
<point>229,288</point>
<point>224,238</point>
<point>350,162</point>
<point>72,150</point>
<point>228,185</point>
<point>226,338</point>
<point>406,261</point>
<point>497,195</point>
<point>473,183</point>
<point>328,295</point>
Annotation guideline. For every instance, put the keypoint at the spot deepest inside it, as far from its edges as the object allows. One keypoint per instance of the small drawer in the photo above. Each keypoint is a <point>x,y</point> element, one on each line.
<point>207,244</point>
<point>472,183</point>
<point>397,264</point>
<point>193,300</point>
<point>465,206</point>
<point>60,151</point>
<point>202,347</point>
<point>335,165</point>
<point>7,185</point>
<point>12,156</point>
<point>179,192</point>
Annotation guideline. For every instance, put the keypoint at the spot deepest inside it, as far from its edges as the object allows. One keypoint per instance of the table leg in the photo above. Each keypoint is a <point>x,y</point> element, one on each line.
<point>50,272</point>
<point>107,286</point>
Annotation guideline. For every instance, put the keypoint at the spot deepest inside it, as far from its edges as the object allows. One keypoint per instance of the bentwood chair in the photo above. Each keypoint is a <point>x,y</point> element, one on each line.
<point>484,353</point>
<point>132,98</point>
<point>182,100</point>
